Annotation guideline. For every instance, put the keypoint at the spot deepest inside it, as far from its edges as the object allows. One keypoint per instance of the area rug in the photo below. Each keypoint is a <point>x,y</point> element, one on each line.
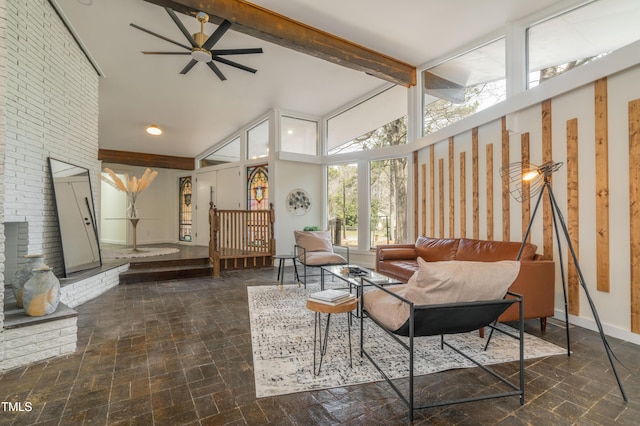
<point>282,338</point>
<point>128,253</point>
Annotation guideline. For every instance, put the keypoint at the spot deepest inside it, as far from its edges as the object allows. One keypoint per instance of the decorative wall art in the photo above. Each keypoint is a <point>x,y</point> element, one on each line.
<point>298,202</point>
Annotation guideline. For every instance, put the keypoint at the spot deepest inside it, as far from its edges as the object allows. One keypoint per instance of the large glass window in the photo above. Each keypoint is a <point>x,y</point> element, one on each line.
<point>298,136</point>
<point>579,36</point>
<point>388,198</point>
<point>342,196</point>
<point>228,153</point>
<point>355,129</point>
<point>185,216</point>
<point>258,141</point>
<point>464,85</point>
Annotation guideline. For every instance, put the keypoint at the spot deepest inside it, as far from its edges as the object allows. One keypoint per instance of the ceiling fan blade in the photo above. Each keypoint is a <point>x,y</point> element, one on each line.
<point>217,34</point>
<point>180,25</point>
<point>189,66</point>
<point>166,53</point>
<point>216,70</point>
<point>159,36</point>
<point>233,64</point>
<point>236,51</point>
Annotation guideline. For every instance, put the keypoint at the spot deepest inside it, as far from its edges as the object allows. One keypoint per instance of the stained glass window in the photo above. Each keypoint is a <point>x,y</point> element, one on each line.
<point>185,217</point>
<point>258,187</point>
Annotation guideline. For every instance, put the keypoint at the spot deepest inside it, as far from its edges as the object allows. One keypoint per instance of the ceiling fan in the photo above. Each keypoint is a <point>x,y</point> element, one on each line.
<point>201,46</point>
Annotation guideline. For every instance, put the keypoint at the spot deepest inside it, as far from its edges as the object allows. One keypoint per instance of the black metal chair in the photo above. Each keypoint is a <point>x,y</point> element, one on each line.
<point>306,261</point>
<point>444,319</point>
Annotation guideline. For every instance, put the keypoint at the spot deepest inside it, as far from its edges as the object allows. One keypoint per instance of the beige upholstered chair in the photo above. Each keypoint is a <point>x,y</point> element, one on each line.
<point>315,249</point>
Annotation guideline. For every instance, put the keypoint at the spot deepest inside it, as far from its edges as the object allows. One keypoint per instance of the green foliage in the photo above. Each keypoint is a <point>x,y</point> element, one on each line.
<point>312,228</point>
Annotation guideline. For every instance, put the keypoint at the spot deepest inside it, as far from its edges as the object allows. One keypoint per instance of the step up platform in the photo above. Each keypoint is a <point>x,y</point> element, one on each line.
<point>162,270</point>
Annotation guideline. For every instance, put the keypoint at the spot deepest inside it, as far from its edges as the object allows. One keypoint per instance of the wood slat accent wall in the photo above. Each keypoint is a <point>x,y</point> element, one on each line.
<point>526,203</point>
<point>634,201</point>
<point>547,155</point>
<point>416,194</point>
<point>474,184</point>
<point>452,195</point>
<point>463,194</point>
<point>432,191</point>
<point>441,196</point>
<point>602,185</point>
<point>506,196</point>
<point>573,216</point>
<point>489,170</point>
<point>424,200</point>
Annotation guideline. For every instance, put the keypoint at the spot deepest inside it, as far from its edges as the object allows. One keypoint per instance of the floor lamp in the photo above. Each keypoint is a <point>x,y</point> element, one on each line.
<point>527,181</point>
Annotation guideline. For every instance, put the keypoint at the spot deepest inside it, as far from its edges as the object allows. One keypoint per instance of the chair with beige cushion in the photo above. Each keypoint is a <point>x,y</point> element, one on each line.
<point>444,298</point>
<point>315,249</point>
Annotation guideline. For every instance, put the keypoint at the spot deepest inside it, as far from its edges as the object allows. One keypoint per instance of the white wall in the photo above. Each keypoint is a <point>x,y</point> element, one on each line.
<point>51,110</point>
<point>156,205</point>
<point>283,177</point>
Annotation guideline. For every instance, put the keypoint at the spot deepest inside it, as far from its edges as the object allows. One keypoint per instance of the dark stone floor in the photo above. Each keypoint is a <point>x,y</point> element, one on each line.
<point>179,353</point>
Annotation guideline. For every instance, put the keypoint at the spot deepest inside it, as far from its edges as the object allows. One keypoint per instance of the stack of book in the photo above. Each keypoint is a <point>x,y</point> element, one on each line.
<point>331,297</point>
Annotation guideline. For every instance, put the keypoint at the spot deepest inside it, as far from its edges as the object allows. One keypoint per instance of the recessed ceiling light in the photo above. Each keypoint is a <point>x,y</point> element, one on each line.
<point>154,130</point>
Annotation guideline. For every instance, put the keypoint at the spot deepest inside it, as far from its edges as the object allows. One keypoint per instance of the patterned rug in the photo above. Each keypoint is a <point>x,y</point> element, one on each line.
<point>128,253</point>
<point>282,339</point>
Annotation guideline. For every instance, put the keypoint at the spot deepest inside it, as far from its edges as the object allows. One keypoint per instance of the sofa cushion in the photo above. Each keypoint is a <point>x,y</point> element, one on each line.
<point>436,249</point>
<point>493,251</point>
<point>442,282</point>
<point>397,253</point>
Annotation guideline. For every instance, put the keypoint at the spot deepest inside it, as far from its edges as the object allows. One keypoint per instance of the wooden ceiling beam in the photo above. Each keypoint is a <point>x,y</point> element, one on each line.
<point>146,160</point>
<point>267,25</point>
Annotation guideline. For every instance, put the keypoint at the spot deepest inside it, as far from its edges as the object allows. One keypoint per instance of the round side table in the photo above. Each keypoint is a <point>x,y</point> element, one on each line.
<point>322,308</point>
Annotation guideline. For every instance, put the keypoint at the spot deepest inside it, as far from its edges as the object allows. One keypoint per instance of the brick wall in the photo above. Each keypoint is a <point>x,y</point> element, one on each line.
<point>51,111</point>
<point>3,91</point>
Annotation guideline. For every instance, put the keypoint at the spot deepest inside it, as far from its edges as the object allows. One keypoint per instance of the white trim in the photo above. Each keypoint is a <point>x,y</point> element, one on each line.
<point>590,324</point>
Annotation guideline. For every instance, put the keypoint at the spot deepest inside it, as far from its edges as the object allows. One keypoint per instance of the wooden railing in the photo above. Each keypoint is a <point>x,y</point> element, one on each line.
<point>241,238</point>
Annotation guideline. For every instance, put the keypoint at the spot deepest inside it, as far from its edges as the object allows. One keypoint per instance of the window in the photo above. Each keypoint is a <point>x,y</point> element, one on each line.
<point>184,216</point>
<point>388,196</point>
<point>258,141</point>
<point>342,196</point>
<point>464,85</point>
<point>258,188</point>
<point>298,136</point>
<point>228,153</point>
<point>579,36</point>
<point>359,127</point>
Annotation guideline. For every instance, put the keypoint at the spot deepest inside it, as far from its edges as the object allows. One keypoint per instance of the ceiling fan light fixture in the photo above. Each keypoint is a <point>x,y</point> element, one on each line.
<point>154,130</point>
<point>200,54</point>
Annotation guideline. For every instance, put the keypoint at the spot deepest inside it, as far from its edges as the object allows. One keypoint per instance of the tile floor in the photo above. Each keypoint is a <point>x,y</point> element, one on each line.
<point>179,353</point>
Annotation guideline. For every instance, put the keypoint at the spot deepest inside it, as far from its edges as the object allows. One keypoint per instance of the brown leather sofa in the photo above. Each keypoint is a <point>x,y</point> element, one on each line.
<point>535,282</point>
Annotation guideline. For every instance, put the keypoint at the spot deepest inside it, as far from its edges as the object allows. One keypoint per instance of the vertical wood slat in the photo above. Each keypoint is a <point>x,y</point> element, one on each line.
<point>416,180</point>
<point>526,202</point>
<point>463,194</point>
<point>432,191</point>
<point>573,216</point>
<point>424,200</point>
<point>452,196</point>
<point>489,171</point>
<point>634,201</point>
<point>506,200</point>
<point>474,183</point>
<point>547,155</point>
<point>441,196</point>
<point>602,185</point>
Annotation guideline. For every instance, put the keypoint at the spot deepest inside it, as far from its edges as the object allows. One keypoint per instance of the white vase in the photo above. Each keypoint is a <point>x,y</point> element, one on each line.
<point>41,294</point>
<point>23,274</point>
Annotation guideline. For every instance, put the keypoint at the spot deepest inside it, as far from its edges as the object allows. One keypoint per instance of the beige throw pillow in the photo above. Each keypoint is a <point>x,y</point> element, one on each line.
<point>314,240</point>
<point>442,282</point>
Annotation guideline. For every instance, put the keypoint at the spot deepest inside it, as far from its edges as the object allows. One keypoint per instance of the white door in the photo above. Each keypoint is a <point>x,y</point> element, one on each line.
<point>231,190</point>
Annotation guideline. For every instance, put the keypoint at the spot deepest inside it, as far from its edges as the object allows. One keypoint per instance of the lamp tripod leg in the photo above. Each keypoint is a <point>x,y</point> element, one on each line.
<point>594,311</point>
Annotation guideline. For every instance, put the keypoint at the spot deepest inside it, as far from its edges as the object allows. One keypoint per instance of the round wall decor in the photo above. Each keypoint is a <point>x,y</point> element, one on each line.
<point>298,202</point>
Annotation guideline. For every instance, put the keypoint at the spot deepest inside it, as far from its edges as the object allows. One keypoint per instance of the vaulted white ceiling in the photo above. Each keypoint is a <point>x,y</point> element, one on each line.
<point>197,110</point>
